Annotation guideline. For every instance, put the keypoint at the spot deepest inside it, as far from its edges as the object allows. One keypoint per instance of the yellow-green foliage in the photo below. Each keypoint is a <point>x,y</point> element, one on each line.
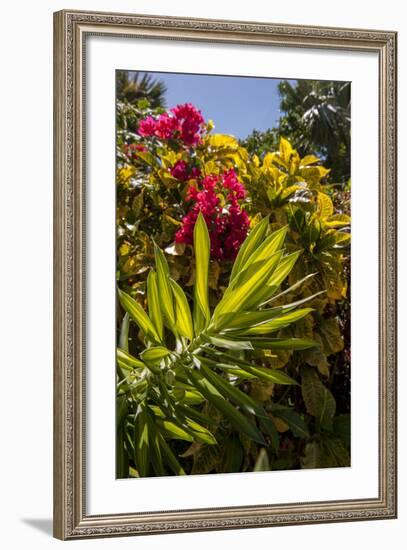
<point>294,193</point>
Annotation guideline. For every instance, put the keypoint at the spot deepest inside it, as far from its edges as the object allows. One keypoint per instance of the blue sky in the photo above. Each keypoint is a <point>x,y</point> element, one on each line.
<point>237,105</point>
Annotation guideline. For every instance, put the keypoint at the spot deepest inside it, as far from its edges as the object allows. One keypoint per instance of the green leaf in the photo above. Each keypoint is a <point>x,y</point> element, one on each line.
<point>239,421</point>
<point>138,315</point>
<point>250,244</point>
<point>174,431</point>
<point>276,323</point>
<point>200,433</point>
<point>121,409</point>
<point>154,446</point>
<point>233,457</point>
<point>154,354</point>
<point>247,319</point>
<point>291,288</point>
<point>127,361</point>
<point>219,141</point>
<point>124,333</point>
<point>242,400</point>
<point>228,344</point>
<point>164,287</point>
<point>283,269</point>
<point>294,420</point>
<point>292,305</point>
<point>169,456</point>
<point>331,336</point>
<point>309,159</point>
<point>335,453</point>
<point>183,318</point>
<point>122,457</point>
<point>233,370</point>
<point>270,245</point>
<point>194,414</point>
<point>202,251</point>
<point>342,239</point>
<point>153,302</point>
<point>285,150</point>
<point>188,397</point>
<point>262,462</point>
<point>338,220</point>
<point>318,399</point>
<point>141,441</point>
<point>268,426</point>
<point>246,295</point>
<point>325,206</point>
<point>282,343</point>
<point>273,281</point>
<point>183,427</point>
<point>341,425</point>
<point>247,273</point>
<point>276,376</point>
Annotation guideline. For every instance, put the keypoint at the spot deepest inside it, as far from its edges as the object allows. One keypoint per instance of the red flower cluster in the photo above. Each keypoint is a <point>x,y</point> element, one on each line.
<point>184,122</point>
<point>227,226</point>
<point>183,172</point>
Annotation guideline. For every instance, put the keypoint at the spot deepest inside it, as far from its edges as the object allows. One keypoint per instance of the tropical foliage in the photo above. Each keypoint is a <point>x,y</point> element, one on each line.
<point>233,278</point>
<point>316,117</point>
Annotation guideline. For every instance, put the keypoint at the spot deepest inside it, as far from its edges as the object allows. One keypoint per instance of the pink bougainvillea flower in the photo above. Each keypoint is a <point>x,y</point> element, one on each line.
<point>191,123</point>
<point>195,172</point>
<point>183,172</point>
<point>228,225</point>
<point>147,127</point>
<point>231,182</point>
<point>184,122</point>
<point>180,170</point>
<point>165,126</point>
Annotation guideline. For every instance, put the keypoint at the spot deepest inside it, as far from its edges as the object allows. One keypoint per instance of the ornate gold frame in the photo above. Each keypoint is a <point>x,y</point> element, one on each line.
<point>70,518</point>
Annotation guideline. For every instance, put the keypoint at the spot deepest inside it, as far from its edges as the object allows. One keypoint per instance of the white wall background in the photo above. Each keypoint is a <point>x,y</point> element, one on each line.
<point>26,270</point>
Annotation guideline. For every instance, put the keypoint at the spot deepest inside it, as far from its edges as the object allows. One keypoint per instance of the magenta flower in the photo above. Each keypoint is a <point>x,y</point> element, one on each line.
<point>180,170</point>
<point>147,127</point>
<point>165,126</point>
<point>191,123</point>
<point>183,172</point>
<point>227,226</point>
<point>183,122</point>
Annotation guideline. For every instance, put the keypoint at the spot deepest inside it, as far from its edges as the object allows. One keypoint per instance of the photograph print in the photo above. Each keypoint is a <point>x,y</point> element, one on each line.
<point>232,274</point>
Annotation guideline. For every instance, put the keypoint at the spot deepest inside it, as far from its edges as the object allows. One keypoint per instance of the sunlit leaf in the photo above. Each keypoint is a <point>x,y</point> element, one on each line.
<point>138,315</point>
<point>262,462</point>
<point>201,250</point>
<point>127,361</point>
<point>249,246</point>
<point>153,302</point>
<point>164,287</point>
<point>154,354</point>
<point>325,206</point>
<point>183,318</point>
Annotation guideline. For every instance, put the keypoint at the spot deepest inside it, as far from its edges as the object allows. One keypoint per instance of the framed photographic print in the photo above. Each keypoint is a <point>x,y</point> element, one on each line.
<point>225,274</point>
